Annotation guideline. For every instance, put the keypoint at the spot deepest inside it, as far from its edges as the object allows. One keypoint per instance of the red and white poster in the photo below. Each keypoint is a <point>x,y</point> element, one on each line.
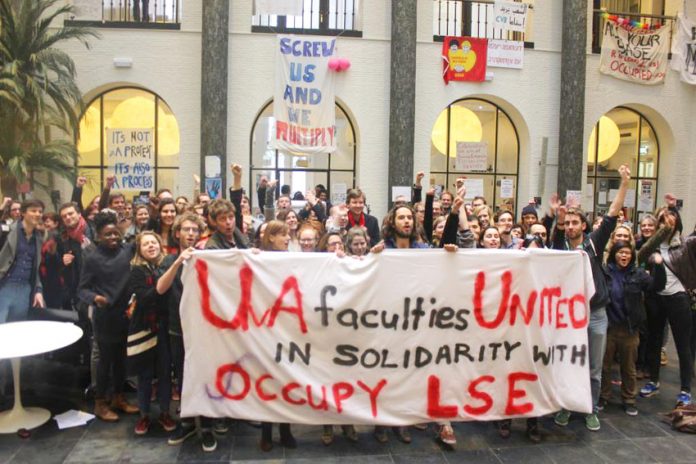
<point>635,54</point>
<point>397,338</point>
<point>464,59</point>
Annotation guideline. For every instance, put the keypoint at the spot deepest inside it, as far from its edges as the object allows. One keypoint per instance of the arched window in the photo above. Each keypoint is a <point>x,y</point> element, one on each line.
<point>476,139</point>
<point>132,133</point>
<point>335,171</point>
<point>623,136</point>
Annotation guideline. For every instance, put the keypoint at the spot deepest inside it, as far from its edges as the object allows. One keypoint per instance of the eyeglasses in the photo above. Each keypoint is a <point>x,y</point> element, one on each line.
<point>308,240</point>
<point>191,229</point>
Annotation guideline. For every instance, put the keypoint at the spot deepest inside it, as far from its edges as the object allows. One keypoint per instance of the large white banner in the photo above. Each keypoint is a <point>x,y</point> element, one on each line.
<point>402,337</point>
<point>635,55</point>
<point>303,105</point>
<point>130,155</point>
<point>684,49</point>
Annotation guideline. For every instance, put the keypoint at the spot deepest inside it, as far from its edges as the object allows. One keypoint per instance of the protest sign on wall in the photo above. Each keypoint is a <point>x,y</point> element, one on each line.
<point>633,54</point>
<point>304,101</point>
<point>510,16</point>
<point>472,156</point>
<point>505,54</point>
<point>131,158</point>
<point>402,337</point>
<point>684,49</point>
<point>464,59</point>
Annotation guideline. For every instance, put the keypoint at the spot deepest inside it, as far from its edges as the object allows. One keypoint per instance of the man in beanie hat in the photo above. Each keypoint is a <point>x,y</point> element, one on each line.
<point>529,216</point>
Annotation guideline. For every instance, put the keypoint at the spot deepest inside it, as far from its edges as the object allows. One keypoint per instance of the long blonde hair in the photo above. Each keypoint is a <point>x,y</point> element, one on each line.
<point>138,259</point>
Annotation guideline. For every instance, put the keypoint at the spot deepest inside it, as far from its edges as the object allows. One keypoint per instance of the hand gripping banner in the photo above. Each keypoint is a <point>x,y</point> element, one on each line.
<point>402,337</point>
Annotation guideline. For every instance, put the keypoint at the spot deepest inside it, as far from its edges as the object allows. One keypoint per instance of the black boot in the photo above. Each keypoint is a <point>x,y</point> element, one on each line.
<point>286,438</point>
<point>266,443</point>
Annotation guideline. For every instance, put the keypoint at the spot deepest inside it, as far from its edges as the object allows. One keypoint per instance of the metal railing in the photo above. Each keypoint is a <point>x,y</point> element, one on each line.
<point>598,22</point>
<point>141,11</point>
<point>322,17</point>
<point>472,19</point>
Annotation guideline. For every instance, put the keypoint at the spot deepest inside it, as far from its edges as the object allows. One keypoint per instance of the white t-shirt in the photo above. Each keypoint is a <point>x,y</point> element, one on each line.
<point>673,284</point>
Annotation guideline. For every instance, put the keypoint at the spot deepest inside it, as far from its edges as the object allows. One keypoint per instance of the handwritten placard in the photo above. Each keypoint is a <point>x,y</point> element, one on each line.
<point>510,16</point>
<point>472,156</point>
<point>131,158</point>
<point>311,338</point>
<point>505,54</point>
<point>304,103</point>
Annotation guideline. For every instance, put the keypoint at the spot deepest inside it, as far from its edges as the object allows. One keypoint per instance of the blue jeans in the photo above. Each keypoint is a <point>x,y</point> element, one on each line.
<point>597,340</point>
<point>15,299</point>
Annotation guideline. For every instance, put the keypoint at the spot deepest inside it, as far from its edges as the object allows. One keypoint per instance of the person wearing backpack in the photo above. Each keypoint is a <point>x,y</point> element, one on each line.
<point>571,234</point>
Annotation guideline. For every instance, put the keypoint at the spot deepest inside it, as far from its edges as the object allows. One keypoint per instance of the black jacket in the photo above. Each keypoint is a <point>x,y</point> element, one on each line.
<point>635,281</point>
<point>594,245</point>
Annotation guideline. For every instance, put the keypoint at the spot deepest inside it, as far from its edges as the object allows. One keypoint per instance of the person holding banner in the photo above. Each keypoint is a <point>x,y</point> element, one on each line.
<point>400,232</point>
<point>276,238</point>
<point>187,229</point>
<point>148,337</point>
<point>571,228</point>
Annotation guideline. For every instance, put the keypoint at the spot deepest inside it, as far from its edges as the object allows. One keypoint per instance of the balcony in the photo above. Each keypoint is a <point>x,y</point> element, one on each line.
<point>471,18</point>
<point>599,20</point>
<point>319,17</point>
<point>133,14</point>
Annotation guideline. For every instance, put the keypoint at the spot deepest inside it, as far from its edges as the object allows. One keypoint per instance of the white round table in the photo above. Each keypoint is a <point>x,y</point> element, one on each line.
<point>18,339</point>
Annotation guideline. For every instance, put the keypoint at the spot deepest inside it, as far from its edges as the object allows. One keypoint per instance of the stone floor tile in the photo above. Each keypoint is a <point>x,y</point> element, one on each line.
<point>97,450</point>
<point>667,449</point>
<point>522,455</point>
<point>622,451</point>
<point>572,454</point>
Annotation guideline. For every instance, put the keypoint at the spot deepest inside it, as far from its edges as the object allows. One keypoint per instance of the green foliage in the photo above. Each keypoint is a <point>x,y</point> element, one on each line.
<point>38,92</point>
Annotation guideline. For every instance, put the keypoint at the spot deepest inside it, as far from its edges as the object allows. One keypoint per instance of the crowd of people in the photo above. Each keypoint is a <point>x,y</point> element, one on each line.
<point>119,263</point>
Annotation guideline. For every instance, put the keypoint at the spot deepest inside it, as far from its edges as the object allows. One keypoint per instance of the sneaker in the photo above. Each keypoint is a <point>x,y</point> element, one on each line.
<point>208,441</point>
<point>683,398</point>
<point>446,435</point>
<point>350,433</point>
<point>533,433</point>
<point>630,409</point>
<point>381,434</point>
<point>142,426</point>
<point>504,428</point>
<point>327,435</point>
<point>663,357</point>
<point>181,433</point>
<point>402,434</point>
<point>650,389</point>
<point>562,418</point>
<point>166,421</point>
<point>601,404</point>
<point>592,422</point>
<point>221,426</point>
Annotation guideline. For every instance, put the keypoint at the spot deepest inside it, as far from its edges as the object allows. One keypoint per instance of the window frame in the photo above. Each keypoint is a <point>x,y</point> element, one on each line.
<point>595,177</point>
<point>487,174</point>
<point>277,170</point>
<point>102,151</point>
<point>324,29</point>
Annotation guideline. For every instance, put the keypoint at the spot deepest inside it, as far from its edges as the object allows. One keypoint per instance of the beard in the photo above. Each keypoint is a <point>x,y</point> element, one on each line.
<point>401,234</point>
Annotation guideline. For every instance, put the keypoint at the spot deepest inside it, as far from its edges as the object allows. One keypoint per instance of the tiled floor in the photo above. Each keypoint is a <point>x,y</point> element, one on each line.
<point>622,439</point>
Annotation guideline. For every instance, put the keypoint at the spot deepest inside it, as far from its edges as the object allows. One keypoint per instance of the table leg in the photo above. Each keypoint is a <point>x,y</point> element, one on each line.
<point>20,417</point>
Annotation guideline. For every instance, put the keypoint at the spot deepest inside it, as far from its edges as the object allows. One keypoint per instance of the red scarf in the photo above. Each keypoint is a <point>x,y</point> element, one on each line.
<point>77,233</point>
<point>351,221</point>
